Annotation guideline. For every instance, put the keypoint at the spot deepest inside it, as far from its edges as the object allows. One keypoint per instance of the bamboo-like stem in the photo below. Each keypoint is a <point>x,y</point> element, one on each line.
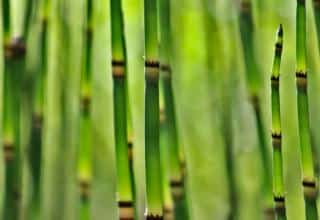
<point>254,84</point>
<point>316,9</point>
<point>35,146</point>
<point>278,185</point>
<point>152,148</point>
<point>85,147</point>
<point>175,161</point>
<point>124,163</point>
<point>309,180</point>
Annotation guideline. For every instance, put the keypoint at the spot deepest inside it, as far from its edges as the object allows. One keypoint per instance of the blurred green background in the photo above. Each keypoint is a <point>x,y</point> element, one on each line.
<point>198,92</point>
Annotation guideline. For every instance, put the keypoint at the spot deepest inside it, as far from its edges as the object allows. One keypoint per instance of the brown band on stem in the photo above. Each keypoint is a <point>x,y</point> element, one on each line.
<point>118,68</point>
<point>279,198</point>
<point>316,3</point>
<point>154,217</point>
<point>152,70</point>
<point>177,189</point>
<point>162,116</point>
<point>165,71</point>
<point>37,120</point>
<point>245,6</point>
<point>84,189</point>
<point>276,139</point>
<point>85,103</point>
<point>279,47</point>
<point>269,213</point>
<point>8,148</point>
<point>152,64</point>
<point>310,189</point>
<point>275,80</point>
<point>15,49</point>
<point>254,99</point>
<point>126,210</point>
<point>301,80</point>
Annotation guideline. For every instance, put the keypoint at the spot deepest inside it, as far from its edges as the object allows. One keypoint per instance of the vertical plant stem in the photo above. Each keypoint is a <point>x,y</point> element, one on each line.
<point>309,180</point>
<point>152,148</point>
<point>175,163</point>
<point>85,148</point>
<point>119,70</point>
<point>316,9</point>
<point>278,185</point>
<point>254,84</point>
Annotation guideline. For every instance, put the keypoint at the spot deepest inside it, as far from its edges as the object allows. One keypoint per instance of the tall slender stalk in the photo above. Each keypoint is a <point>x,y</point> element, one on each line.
<point>35,146</point>
<point>316,9</point>
<point>175,163</point>
<point>85,148</point>
<point>254,84</point>
<point>152,149</point>
<point>309,180</point>
<point>119,72</point>
<point>278,185</point>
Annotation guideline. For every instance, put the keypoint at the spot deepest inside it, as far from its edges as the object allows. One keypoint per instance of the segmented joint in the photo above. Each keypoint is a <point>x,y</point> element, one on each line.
<point>85,103</point>
<point>279,47</point>
<point>84,189</point>
<point>154,217</point>
<point>310,189</point>
<point>8,149</point>
<point>126,210</point>
<point>301,80</point>
<point>118,68</point>
<point>245,6</point>
<point>37,120</point>
<point>15,49</point>
<point>279,199</point>
<point>275,80</point>
<point>254,99</point>
<point>130,150</point>
<point>152,70</point>
<point>276,140</point>
<point>165,71</point>
<point>89,31</point>
<point>177,188</point>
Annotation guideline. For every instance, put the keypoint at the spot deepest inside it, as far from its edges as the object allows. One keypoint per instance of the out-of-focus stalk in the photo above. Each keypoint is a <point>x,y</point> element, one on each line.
<point>254,85</point>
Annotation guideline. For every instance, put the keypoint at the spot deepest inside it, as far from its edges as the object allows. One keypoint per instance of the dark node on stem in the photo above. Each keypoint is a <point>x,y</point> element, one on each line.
<point>37,119</point>
<point>126,210</point>
<point>302,2</point>
<point>154,217</point>
<point>85,104</point>
<point>89,32</point>
<point>245,6</point>
<point>166,71</point>
<point>84,189</point>
<point>177,188</point>
<point>162,116</point>
<point>118,68</point>
<point>269,213</point>
<point>310,189</point>
<point>8,149</point>
<point>276,139</point>
<point>279,199</point>
<point>301,78</point>
<point>152,64</point>
<point>275,80</point>
<point>152,70</point>
<point>316,3</point>
<point>130,151</point>
<point>279,47</point>
<point>15,49</point>
<point>254,101</point>
<point>16,195</point>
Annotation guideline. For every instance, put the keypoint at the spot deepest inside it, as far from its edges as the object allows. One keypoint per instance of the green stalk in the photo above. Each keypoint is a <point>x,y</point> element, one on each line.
<point>316,9</point>
<point>175,164</point>
<point>278,185</point>
<point>85,147</point>
<point>254,85</point>
<point>309,180</point>
<point>152,148</point>
<point>119,70</point>
<point>35,146</point>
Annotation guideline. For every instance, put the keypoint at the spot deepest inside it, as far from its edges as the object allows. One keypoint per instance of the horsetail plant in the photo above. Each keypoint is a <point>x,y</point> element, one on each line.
<point>123,147</point>
<point>316,9</point>
<point>254,84</point>
<point>15,51</point>
<point>85,147</point>
<point>35,146</point>
<point>278,185</point>
<point>152,149</point>
<point>175,164</point>
<point>309,179</point>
